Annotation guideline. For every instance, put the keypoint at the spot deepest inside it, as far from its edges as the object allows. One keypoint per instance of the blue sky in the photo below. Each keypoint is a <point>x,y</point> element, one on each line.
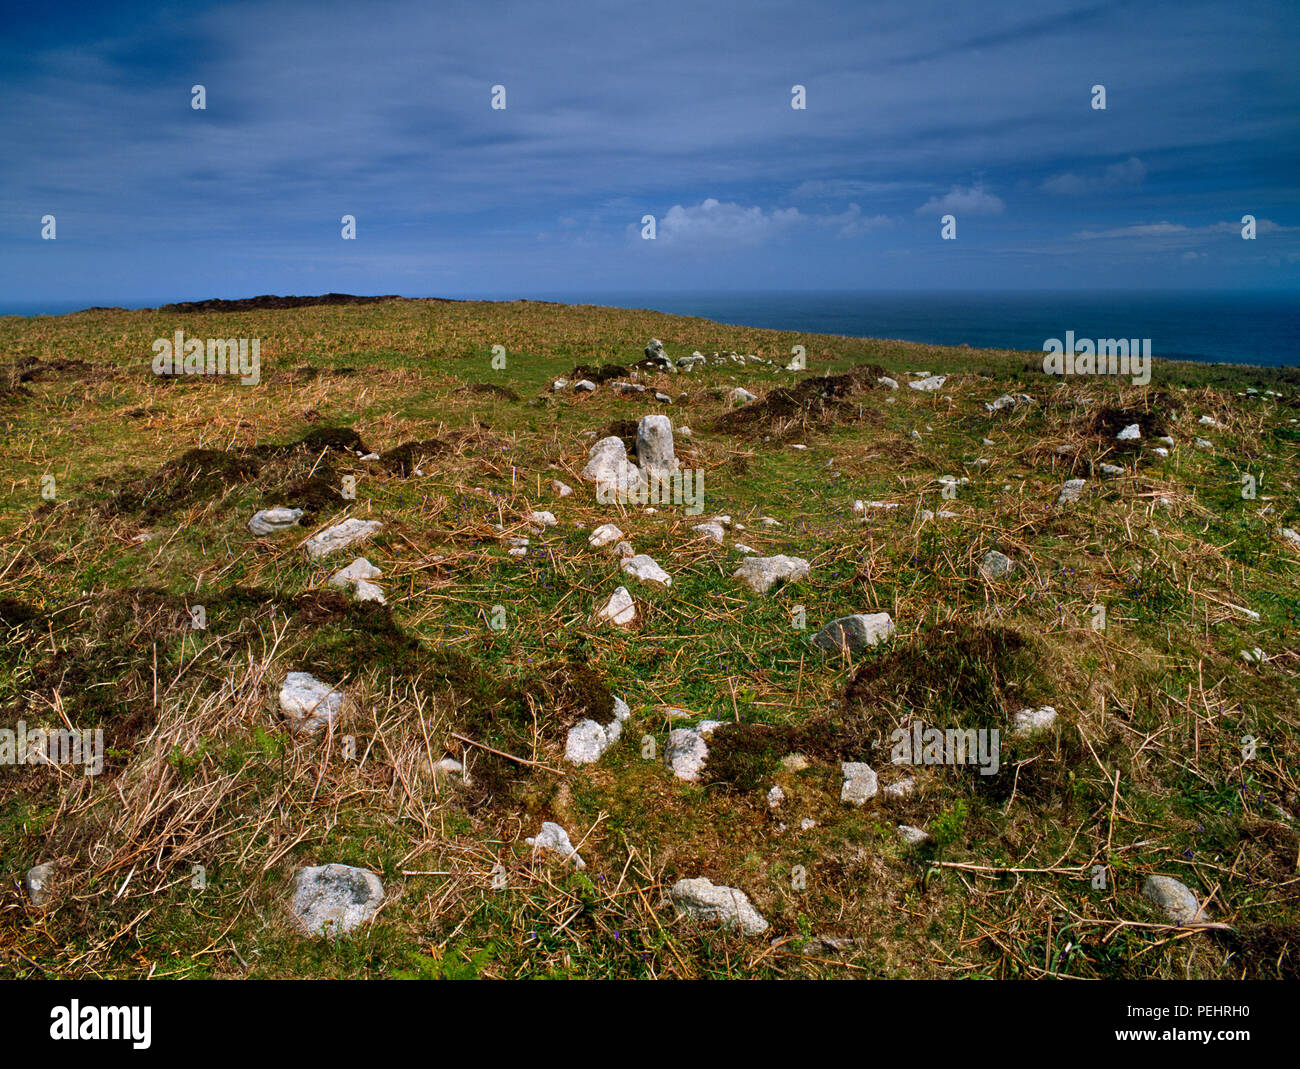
<point>614,111</point>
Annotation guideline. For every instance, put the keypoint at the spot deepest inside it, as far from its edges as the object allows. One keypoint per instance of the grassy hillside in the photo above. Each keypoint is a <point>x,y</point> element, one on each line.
<point>1144,771</point>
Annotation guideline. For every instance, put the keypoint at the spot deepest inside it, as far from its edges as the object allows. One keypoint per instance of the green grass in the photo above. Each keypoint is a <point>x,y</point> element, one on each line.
<point>203,771</point>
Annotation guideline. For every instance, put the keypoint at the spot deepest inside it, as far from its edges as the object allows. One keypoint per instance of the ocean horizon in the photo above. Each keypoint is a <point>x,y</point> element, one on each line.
<point>1256,327</point>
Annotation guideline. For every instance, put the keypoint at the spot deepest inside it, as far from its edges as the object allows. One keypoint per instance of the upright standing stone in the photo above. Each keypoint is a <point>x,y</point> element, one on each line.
<point>654,445</point>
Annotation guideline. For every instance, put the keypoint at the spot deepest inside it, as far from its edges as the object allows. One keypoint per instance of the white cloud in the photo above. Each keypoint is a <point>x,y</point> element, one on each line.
<point>1124,175</point>
<point>726,222</point>
<point>971,200</point>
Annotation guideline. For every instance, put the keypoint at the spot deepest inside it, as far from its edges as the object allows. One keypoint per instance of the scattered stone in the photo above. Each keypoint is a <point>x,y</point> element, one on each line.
<point>687,751</point>
<point>740,547</point>
<point>560,488</point>
<point>911,835</point>
<point>1110,469</point>
<point>333,900</point>
<point>543,519</point>
<point>619,610</point>
<point>740,396</point>
<point>1029,721</point>
<point>1007,400</point>
<point>604,535</point>
<point>760,574</point>
<point>795,762</point>
<point>588,740</point>
<point>359,569</point>
<point>1253,656</point>
<point>996,565</point>
<point>807,824</point>
<point>710,530</point>
<point>1129,433</point>
<point>1208,421</point>
<point>702,900</point>
<point>1290,535</point>
<point>1176,900</point>
<point>269,521</point>
<point>559,385</point>
<point>930,382</point>
<point>644,568</point>
<point>448,767</point>
<point>585,385</point>
<point>851,634</point>
<point>340,536</point>
<point>609,467</point>
<point>886,381</point>
<point>1071,491</point>
<point>308,702</point>
<point>1204,443</point>
<point>554,838</point>
<point>860,782</point>
<point>901,789</point>
<point>37,882</point>
<point>775,797</point>
<point>1160,451</point>
<point>364,590</point>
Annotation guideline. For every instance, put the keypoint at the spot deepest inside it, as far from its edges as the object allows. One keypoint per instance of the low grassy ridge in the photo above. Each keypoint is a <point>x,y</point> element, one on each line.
<point>1144,772</point>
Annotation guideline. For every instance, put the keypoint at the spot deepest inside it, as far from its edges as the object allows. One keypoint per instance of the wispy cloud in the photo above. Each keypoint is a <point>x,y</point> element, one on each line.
<point>1126,175</point>
<point>1138,230</point>
<point>853,222</point>
<point>1181,233</point>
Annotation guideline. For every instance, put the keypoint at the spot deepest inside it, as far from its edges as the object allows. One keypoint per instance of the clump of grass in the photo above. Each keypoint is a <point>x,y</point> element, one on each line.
<point>951,675</point>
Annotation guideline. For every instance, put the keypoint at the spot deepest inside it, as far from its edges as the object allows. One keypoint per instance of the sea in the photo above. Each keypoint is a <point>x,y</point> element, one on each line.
<point>1237,327</point>
<point>1225,327</point>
